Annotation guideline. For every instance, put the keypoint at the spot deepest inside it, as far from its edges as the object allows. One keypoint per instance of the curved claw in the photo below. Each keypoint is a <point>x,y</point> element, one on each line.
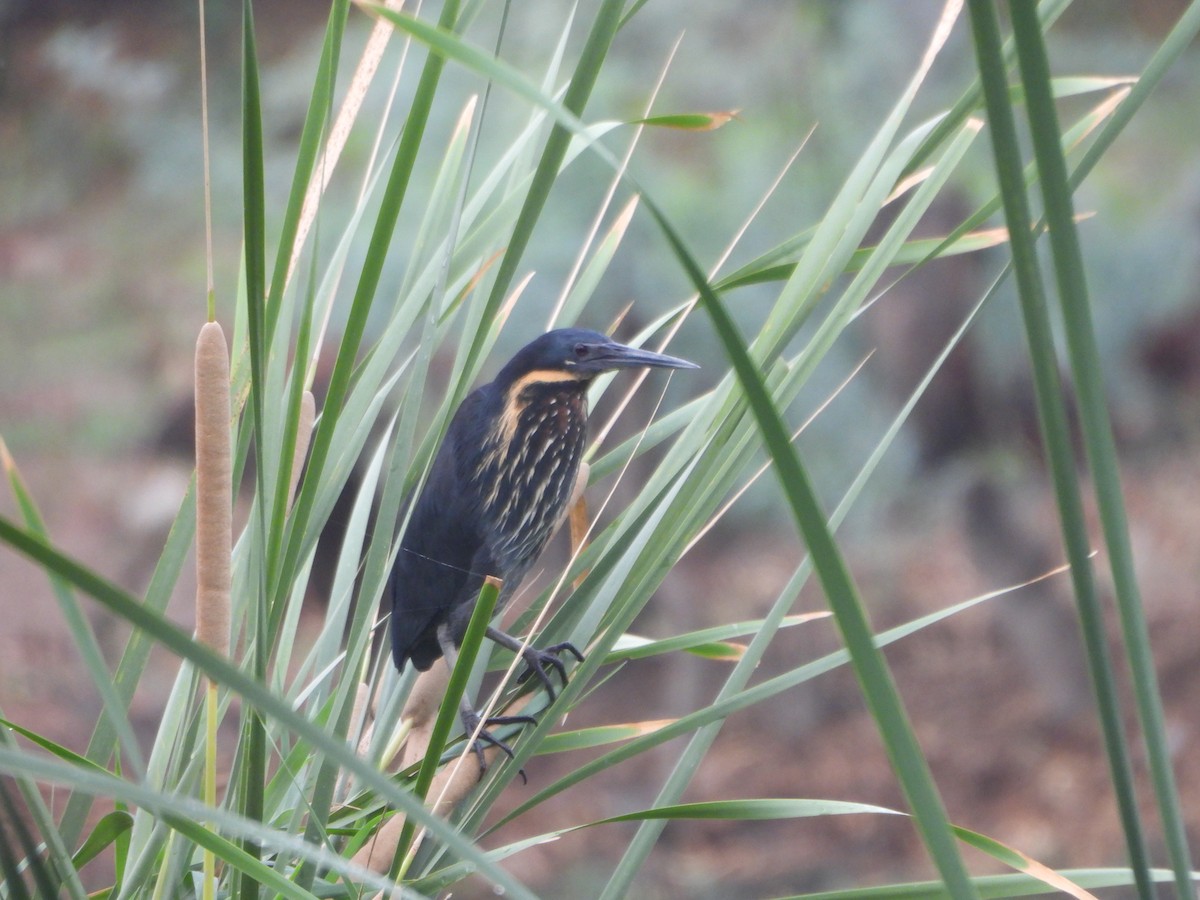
<point>537,661</point>
<point>471,719</point>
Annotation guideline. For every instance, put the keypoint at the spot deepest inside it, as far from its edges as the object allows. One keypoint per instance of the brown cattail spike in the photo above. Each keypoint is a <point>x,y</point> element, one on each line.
<point>214,489</point>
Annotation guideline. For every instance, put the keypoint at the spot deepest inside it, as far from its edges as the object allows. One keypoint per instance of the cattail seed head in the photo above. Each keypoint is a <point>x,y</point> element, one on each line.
<point>214,489</point>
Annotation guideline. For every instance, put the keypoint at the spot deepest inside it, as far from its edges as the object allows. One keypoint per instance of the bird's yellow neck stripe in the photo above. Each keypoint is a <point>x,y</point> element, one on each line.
<point>543,376</point>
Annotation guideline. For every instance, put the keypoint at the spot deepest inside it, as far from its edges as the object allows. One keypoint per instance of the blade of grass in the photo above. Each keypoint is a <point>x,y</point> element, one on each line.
<point>448,713</point>
<point>583,79</point>
<point>108,831</point>
<point>1087,371</point>
<point>57,848</point>
<point>183,812</point>
<point>721,709</point>
<point>254,247</point>
<point>1053,424</point>
<point>991,887</point>
<point>252,691</point>
<point>870,666</point>
<point>136,654</point>
<point>705,642</point>
<point>369,278</point>
<point>77,624</point>
<point>970,101</point>
<point>1180,38</point>
<point>316,124</point>
<point>46,881</point>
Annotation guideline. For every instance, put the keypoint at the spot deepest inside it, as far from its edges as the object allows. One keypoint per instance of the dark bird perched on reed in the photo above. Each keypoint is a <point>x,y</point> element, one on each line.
<point>499,487</point>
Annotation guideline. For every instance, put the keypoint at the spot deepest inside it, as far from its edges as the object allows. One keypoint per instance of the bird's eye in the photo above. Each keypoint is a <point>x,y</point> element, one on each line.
<point>581,351</point>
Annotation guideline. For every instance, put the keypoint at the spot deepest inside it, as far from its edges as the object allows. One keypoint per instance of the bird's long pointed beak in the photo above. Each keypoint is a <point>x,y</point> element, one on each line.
<point>619,356</point>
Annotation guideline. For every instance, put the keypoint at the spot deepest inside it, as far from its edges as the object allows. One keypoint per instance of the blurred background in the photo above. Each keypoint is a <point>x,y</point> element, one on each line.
<point>102,288</point>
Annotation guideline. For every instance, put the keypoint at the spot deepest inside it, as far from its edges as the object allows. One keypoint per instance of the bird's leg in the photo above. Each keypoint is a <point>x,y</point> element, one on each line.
<point>537,661</point>
<point>471,717</point>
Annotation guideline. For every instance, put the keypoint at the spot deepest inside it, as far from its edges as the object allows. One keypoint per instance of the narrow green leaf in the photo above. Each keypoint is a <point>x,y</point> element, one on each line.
<point>710,643</point>
<point>448,711</point>
<point>1053,422</point>
<point>990,887</point>
<point>911,252</point>
<point>750,810</point>
<point>81,631</point>
<point>587,738</point>
<point>255,249</point>
<point>223,672</point>
<point>58,750</point>
<point>237,858</point>
<point>106,833</point>
<point>1021,862</point>
<point>870,666</point>
<point>1087,372</point>
<point>727,706</point>
<point>689,121</point>
<point>45,878</point>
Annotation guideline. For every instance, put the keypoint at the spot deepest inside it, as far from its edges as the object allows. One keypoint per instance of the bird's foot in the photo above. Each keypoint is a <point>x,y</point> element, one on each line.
<point>471,720</point>
<point>538,661</point>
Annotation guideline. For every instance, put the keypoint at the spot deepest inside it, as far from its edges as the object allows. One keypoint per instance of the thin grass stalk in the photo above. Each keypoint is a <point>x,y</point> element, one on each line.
<point>1052,421</point>
<point>254,234</point>
<point>447,714</point>
<point>115,706</point>
<point>58,857</point>
<point>209,874</point>
<point>587,70</point>
<point>47,884</point>
<point>764,634</point>
<point>306,177</point>
<point>103,741</point>
<point>254,739</point>
<point>210,290</point>
<point>870,667</point>
<point>299,409</point>
<point>1087,372</point>
<point>1178,40</point>
<point>369,278</point>
<point>315,126</point>
<point>253,692</point>
<point>385,225</point>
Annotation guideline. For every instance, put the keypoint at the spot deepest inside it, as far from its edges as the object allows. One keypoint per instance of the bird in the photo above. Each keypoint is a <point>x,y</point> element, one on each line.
<point>499,486</point>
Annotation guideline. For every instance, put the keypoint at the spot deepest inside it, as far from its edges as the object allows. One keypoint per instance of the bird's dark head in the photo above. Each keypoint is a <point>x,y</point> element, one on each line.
<point>580,355</point>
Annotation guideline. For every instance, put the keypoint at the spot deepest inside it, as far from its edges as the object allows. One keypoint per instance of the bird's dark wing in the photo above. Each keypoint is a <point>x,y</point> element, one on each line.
<point>433,569</point>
